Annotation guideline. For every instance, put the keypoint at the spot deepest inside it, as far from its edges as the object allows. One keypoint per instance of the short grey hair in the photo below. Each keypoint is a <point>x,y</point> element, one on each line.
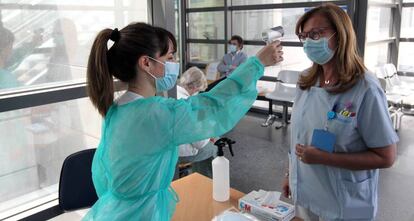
<point>193,78</point>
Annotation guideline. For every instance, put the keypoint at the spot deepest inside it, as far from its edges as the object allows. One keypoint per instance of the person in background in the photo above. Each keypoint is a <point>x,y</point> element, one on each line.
<point>234,58</point>
<point>11,57</point>
<point>341,132</point>
<point>199,153</point>
<point>7,79</point>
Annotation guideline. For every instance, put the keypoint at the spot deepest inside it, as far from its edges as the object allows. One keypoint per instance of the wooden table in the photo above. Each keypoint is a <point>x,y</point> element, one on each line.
<point>196,199</point>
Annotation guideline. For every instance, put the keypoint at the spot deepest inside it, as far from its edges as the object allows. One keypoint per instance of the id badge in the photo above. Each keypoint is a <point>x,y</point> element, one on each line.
<point>323,140</point>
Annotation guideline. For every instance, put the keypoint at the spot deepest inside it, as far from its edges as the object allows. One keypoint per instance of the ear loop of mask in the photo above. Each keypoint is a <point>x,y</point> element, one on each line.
<point>330,39</point>
<point>156,61</point>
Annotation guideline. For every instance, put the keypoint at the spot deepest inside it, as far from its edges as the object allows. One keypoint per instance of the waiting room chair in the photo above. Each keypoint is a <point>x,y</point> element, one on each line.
<point>283,94</point>
<point>76,189</point>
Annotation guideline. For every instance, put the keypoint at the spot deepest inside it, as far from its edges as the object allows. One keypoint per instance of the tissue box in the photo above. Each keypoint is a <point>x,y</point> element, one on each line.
<point>280,212</point>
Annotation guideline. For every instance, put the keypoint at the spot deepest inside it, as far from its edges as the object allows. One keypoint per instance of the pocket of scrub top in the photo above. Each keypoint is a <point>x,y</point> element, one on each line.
<point>357,199</point>
<point>343,128</point>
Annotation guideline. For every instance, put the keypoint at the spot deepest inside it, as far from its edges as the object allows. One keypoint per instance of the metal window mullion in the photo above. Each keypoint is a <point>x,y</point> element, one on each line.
<point>360,23</point>
<point>226,37</point>
<point>283,5</point>
<point>395,30</point>
<point>184,33</point>
<point>408,4</point>
<point>406,39</point>
<point>383,5</point>
<point>378,42</point>
<point>57,7</point>
<point>206,9</point>
<point>38,97</point>
<point>206,41</point>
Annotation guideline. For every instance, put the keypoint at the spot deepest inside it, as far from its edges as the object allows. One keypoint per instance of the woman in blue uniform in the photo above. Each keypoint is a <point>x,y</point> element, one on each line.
<point>341,129</point>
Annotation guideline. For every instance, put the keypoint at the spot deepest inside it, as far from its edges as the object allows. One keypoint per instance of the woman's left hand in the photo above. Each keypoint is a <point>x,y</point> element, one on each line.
<point>309,154</point>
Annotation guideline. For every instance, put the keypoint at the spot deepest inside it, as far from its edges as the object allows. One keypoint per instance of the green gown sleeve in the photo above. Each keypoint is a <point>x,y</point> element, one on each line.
<point>216,112</point>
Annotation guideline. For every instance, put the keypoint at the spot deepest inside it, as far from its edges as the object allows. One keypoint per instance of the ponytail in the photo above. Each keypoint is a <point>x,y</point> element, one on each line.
<point>120,61</point>
<point>99,78</point>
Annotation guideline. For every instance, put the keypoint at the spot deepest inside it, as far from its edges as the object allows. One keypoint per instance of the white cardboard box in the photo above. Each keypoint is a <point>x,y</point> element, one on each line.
<point>281,212</point>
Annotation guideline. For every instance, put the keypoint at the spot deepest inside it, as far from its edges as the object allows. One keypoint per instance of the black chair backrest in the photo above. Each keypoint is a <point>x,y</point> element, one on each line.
<point>76,189</point>
<point>210,86</point>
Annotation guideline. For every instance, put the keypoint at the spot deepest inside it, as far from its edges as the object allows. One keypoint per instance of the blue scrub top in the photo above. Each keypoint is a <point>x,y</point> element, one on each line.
<point>330,192</point>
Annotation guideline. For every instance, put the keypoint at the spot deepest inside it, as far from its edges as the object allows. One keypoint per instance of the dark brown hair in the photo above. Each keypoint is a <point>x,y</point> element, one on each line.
<point>238,39</point>
<point>7,37</point>
<point>120,61</point>
<point>349,64</point>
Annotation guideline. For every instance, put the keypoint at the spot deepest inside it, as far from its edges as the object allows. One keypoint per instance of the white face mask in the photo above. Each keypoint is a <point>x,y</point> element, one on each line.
<point>233,48</point>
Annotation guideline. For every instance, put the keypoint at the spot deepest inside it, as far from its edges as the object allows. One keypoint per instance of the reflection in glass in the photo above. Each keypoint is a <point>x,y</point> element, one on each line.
<point>35,141</point>
<point>376,55</point>
<point>250,24</point>
<point>405,57</point>
<point>258,2</point>
<point>204,3</point>
<point>206,25</point>
<point>205,52</point>
<point>378,23</point>
<point>41,45</point>
<point>51,43</point>
<point>407,23</point>
<point>295,59</point>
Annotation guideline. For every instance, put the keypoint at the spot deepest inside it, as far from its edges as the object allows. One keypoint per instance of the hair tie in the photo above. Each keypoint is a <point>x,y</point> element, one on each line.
<point>115,35</point>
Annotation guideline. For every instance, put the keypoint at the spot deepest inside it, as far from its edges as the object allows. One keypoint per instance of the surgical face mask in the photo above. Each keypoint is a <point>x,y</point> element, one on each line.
<point>318,51</point>
<point>171,70</point>
<point>232,48</point>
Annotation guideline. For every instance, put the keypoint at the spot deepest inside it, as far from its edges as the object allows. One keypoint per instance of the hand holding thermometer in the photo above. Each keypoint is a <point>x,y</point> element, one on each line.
<point>269,36</point>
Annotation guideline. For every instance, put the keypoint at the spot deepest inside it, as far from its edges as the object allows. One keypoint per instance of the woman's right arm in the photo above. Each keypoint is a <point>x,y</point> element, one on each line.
<point>214,113</point>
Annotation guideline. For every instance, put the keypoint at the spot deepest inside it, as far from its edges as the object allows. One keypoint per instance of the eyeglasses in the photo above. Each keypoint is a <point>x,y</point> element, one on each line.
<point>314,34</point>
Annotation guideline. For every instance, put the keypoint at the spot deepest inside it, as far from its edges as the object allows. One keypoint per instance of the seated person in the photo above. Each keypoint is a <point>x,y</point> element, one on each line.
<point>234,58</point>
<point>202,152</point>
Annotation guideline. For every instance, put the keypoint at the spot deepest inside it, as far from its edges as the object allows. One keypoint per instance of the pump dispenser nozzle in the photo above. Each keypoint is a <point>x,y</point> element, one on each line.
<point>221,143</point>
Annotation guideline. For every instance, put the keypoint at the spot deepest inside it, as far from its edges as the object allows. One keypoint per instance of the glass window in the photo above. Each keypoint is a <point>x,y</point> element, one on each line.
<point>379,22</point>
<point>51,45</point>
<point>295,59</point>
<point>63,2</point>
<point>380,1</point>
<point>177,29</point>
<point>205,53</point>
<point>35,141</point>
<point>376,55</point>
<point>250,24</point>
<point>258,2</point>
<point>204,3</point>
<point>405,57</point>
<point>206,25</point>
<point>407,23</point>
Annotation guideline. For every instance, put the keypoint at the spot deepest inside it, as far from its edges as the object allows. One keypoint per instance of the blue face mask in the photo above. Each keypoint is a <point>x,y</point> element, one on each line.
<point>318,51</point>
<point>233,48</point>
<point>171,70</point>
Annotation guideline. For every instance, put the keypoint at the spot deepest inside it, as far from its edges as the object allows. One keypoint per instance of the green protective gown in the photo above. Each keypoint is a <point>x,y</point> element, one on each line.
<point>135,162</point>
